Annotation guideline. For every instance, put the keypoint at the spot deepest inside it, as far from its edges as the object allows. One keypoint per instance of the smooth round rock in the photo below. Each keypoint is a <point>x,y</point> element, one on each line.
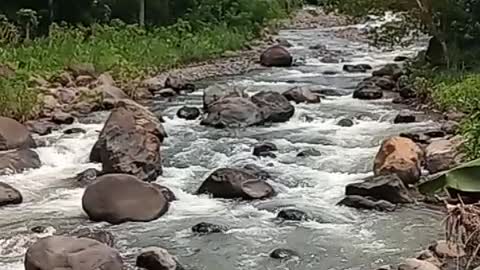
<point>345,122</point>
<point>283,253</point>
<point>188,113</point>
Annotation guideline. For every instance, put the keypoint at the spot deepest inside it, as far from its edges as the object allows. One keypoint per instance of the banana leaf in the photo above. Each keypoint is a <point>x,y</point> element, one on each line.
<point>465,177</point>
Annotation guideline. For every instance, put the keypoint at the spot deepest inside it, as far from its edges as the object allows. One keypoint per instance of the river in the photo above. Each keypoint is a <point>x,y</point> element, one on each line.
<point>339,238</point>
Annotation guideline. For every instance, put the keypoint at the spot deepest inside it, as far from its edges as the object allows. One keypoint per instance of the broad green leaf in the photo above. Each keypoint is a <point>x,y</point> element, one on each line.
<point>465,177</point>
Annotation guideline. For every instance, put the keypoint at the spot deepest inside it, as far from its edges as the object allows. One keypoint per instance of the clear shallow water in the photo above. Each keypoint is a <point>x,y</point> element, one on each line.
<point>340,238</point>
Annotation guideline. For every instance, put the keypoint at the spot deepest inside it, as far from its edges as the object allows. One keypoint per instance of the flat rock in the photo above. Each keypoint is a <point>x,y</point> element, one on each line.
<point>386,187</point>
<point>361,202</point>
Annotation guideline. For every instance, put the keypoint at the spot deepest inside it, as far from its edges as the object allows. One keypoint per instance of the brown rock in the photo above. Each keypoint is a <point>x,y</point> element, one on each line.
<point>130,142</point>
<point>111,93</point>
<point>443,154</point>
<point>276,56</point>
<point>445,249</point>
<point>66,95</point>
<point>41,127</point>
<point>9,195</point>
<point>84,80</point>
<point>61,118</point>
<point>17,161</point>
<point>104,200</point>
<point>155,258</point>
<point>400,156</point>
<point>14,135</point>
<point>105,79</point>
<point>59,252</point>
<point>415,264</point>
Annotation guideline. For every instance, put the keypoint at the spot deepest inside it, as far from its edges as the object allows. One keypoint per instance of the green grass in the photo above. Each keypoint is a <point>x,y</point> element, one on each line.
<point>127,51</point>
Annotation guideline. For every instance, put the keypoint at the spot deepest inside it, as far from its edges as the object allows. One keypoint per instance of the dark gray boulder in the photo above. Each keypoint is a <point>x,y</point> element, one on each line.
<point>233,112</point>
<point>208,228</point>
<point>9,195</point>
<point>276,56</point>
<point>361,202</point>
<point>274,106</point>
<point>283,254</point>
<point>14,135</point>
<point>293,215</point>
<point>17,161</point>
<point>383,187</point>
<point>301,95</point>
<point>188,113</point>
<point>156,258</point>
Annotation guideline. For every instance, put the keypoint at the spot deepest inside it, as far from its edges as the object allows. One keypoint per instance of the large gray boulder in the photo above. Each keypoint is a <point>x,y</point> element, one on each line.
<point>235,183</point>
<point>274,106</point>
<point>62,253</point>
<point>276,56</point>
<point>301,95</point>
<point>14,135</point>
<point>17,161</point>
<point>118,198</point>
<point>130,142</point>
<point>233,112</point>
<point>9,195</point>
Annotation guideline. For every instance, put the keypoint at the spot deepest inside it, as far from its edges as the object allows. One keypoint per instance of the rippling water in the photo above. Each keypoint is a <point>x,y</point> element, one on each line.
<point>340,238</point>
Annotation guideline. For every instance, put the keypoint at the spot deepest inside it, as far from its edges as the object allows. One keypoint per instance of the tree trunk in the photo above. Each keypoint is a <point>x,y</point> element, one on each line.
<point>141,15</point>
<point>50,10</point>
<point>27,32</point>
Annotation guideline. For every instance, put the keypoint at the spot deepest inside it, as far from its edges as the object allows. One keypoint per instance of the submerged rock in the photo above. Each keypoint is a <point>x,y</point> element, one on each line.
<point>14,135</point>
<point>345,122</point>
<point>208,228</point>
<point>59,252</point>
<point>156,258</point>
<point>386,187</point>
<point>283,253</point>
<point>265,150</point>
<point>9,195</point>
<point>311,152</point>
<point>86,177</point>
<point>74,131</point>
<point>362,68</point>
<point>17,161</point>
<point>400,156</point>
<point>274,106</point>
<point>276,56</point>
<point>188,113</point>
<point>104,200</point>
<point>293,215</point>
<point>235,183</point>
<point>130,142</point>
<point>257,171</point>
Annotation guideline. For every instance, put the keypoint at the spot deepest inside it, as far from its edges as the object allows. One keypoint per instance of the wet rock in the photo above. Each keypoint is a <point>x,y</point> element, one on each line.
<point>167,92</point>
<point>416,137</point>
<point>400,58</point>
<point>404,117</point>
<point>400,156</point>
<point>330,92</point>
<point>450,127</point>
<point>208,228</point>
<point>368,93</point>
<point>276,56</point>
<point>318,47</point>
<point>104,200</point>
<point>385,267</point>
<point>435,134</point>
<point>383,82</point>
<point>40,127</point>
<point>61,118</point>
<point>257,171</point>
<point>39,229</point>
<point>14,135</point>
<point>282,254</point>
<point>301,95</point>
<point>274,106</point>
<point>293,215</point>
<point>74,130</point>
<point>17,161</point>
<point>362,68</point>
<point>216,92</point>
<point>188,113</point>
<point>178,84</point>
<point>130,142</point>
<point>361,202</point>
<point>168,193</point>
<point>235,183</point>
<point>284,42</point>
<point>415,264</point>
<point>233,112</point>
<point>386,187</point>
<point>156,258</point>
<point>104,237</point>
<point>407,92</point>
<point>86,177</point>
<point>345,122</point>
<point>392,70</point>
<point>443,154</point>
<point>59,252</point>
<point>444,249</point>
<point>330,72</point>
<point>9,195</point>
<point>310,152</point>
<point>330,59</point>
<point>264,150</point>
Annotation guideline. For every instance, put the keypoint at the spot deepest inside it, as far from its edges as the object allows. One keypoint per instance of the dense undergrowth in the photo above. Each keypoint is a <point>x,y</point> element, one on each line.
<point>129,51</point>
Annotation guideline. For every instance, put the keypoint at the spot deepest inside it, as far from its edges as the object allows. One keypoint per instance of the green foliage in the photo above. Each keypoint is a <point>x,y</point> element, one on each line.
<point>16,100</point>
<point>464,178</point>
<point>463,95</point>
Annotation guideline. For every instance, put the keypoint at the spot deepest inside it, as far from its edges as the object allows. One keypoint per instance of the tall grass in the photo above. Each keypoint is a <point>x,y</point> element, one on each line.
<point>128,51</point>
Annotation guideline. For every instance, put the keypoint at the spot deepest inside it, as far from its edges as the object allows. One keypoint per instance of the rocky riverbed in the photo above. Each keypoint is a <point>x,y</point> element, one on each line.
<point>231,172</point>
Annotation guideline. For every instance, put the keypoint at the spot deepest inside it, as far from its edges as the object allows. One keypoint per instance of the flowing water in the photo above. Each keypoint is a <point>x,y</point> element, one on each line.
<point>339,238</point>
